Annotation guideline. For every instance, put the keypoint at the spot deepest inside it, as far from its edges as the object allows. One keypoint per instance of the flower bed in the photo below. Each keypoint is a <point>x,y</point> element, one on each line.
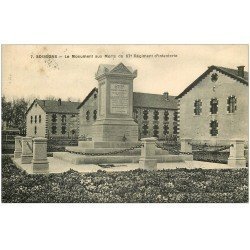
<point>180,185</point>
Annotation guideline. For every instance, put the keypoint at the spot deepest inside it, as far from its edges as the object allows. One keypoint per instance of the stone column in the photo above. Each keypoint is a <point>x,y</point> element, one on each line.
<point>186,146</point>
<point>148,160</point>
<point>26,156</point>
<point>236,157</point>
<point>40,163</point>
<point>18,147</point>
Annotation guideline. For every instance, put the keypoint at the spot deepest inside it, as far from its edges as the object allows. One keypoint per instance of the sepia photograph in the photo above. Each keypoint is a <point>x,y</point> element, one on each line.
<point>124,123</point>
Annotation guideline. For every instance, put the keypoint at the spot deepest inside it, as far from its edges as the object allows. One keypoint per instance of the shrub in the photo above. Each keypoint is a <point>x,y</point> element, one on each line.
<point>179,185</point>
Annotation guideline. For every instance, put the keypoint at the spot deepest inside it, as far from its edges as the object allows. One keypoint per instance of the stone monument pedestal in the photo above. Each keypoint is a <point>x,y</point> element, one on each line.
<point>26,156</point>
<point>18,147</point>
<point>186,145</point>
<point>40,163</point>
<point>148,159</point>
<point>236,157</point>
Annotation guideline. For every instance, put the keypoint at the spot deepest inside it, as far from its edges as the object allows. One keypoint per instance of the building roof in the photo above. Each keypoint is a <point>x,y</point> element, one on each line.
<point>87,97</point>
<point>53,106</point>
<point>145,100</point>
<point>154,101</point>
<point>233,73</point>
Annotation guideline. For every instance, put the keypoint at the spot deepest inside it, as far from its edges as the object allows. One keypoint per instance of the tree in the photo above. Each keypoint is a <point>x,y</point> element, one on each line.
<point>7,112</point>
<point>14,113</point>
<point>20,107</point>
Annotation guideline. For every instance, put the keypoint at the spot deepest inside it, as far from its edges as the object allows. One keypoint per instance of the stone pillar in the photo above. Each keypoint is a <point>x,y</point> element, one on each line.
<point>236,157</point>
<point>148,160</point>
<point>186,146</point>
<point>26,156</point>
<point>40,163</point>
<point>18,147</point>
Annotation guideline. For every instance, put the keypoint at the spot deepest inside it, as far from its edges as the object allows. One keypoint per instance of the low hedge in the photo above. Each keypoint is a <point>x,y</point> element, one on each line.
<point>162,186</point>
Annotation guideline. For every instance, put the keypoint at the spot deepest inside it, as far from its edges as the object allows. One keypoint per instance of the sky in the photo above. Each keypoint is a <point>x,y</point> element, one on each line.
<point>24,75</point>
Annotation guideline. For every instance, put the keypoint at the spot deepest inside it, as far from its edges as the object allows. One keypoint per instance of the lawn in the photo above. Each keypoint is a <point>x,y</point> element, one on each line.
<point>162,186</point>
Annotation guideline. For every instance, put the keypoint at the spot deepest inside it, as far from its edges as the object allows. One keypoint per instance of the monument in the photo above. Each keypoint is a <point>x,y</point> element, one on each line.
<point>115,133</point>
<point>115,126</point>
<point>115,104</point>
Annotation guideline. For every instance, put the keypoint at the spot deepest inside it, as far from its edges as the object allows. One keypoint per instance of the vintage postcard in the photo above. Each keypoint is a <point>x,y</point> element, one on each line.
<point>125,123</point>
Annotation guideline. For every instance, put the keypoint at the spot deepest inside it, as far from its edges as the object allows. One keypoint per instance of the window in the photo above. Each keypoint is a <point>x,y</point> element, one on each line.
<point>35,130</point>
<point>214,128</point>
<point>73,115</point>
<point>31,119</point>
<point>214,106</point>
<point>197,107</point>
<point>64,129</point>
<point>175,116</point>
<point>63,118</point>
<point>156,115</point>
<point>165,129</point>
<point>145,129</point>
<point>54,118</point>
<point>95,96</point>
<point>156,130</point>
<point>214,77</point>
<point>87,115</point>
<point>166,115</point>
<point>175,130</point>
<point>145,114</point>
<point>40,118</point>
<point>53,129</point>
<point>231,104</point>
<point>35,118</point>
<point>94,114</point>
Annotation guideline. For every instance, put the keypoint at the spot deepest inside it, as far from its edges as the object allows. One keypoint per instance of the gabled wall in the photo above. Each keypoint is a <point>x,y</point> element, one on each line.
<point>85,127</point>
<point>231,125</point>
<point>36,110</point>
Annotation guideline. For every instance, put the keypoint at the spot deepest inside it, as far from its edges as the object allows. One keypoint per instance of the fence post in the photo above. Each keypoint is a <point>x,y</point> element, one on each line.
<point>18,147</point>
<point>186,146</point>
<point>40,163</point>
<point>147,160</point>
<point>26,156</point>
<point>236,157</point>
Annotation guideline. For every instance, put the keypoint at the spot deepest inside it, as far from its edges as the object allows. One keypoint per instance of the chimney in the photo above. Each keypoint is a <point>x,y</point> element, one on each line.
<point>166,94</point>
<point>59,101</point>
<point>241,71</point>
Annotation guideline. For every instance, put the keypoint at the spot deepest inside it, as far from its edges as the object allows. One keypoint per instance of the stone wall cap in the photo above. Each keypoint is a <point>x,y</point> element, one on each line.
<point>149,139</point>
<point>27,138</point>
<point>40,139</point>
<point>18,137</point>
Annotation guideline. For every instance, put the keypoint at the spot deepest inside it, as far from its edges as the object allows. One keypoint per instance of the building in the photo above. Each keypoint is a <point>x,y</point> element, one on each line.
<point>155,114</point>
<point>52,119</point>
<point>214,108</point>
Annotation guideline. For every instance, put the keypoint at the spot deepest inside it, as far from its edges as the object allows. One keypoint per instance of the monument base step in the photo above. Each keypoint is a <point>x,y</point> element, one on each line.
<point>83,159</point>
<point>107,144</point>
<point>136,151</point>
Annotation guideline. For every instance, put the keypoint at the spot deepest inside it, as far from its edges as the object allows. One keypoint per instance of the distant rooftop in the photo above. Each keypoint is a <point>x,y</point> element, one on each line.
<point>154,101</point>
<point>53,106</point>
<point>145,100</point>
